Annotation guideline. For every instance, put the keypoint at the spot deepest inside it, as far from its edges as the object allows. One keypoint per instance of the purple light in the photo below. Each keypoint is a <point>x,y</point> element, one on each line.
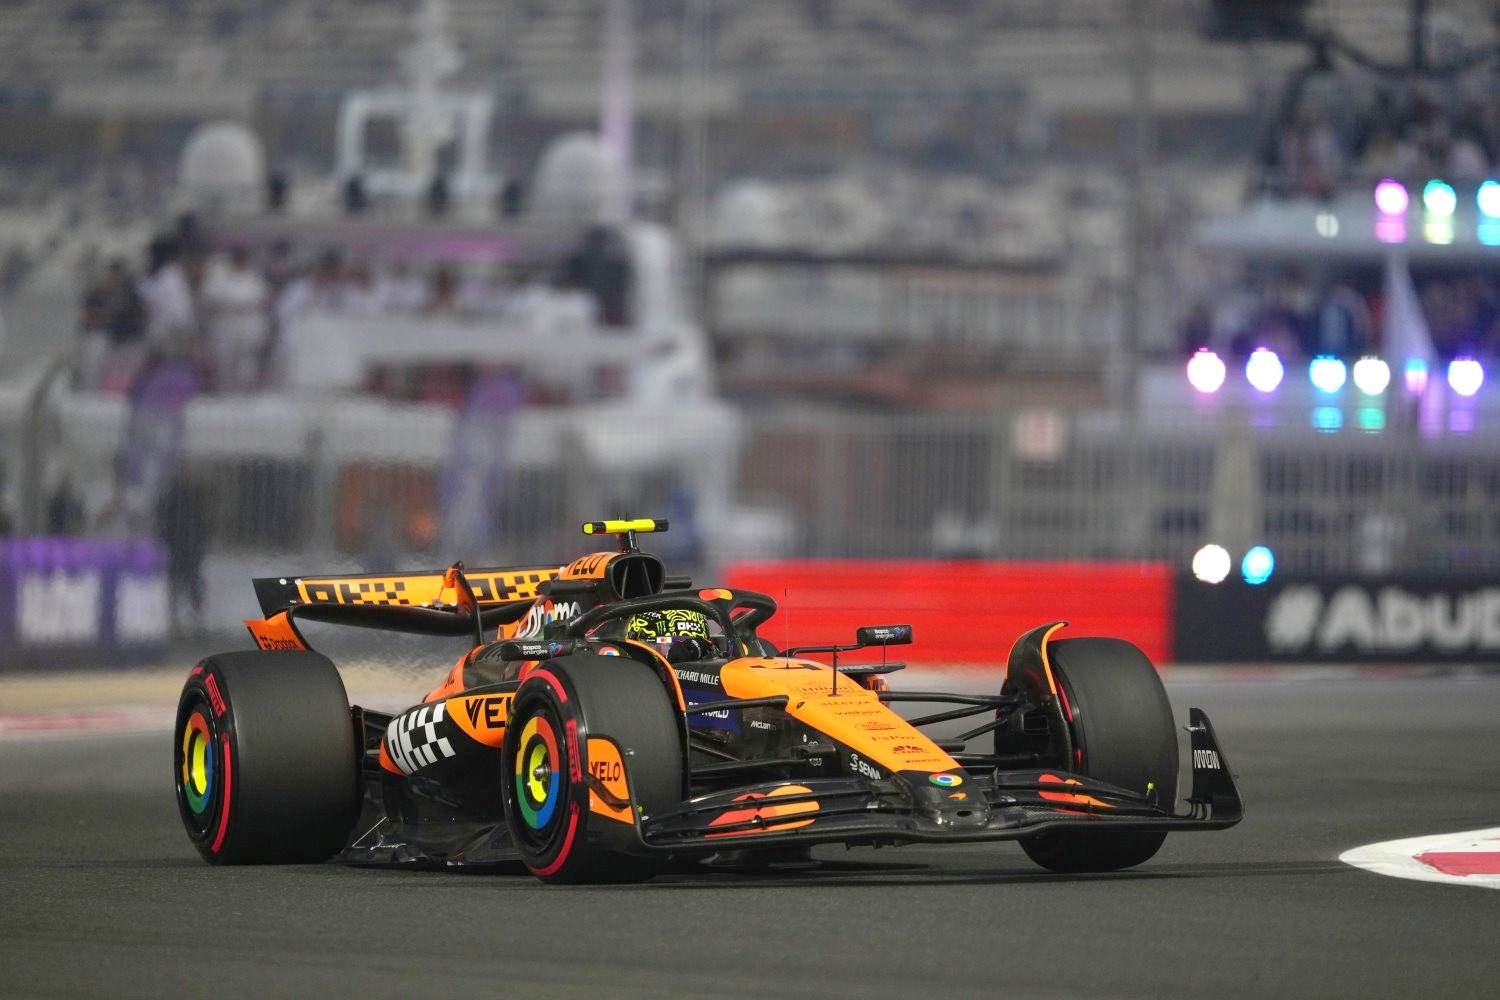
<point>1205,371</point>
<point>1264,369</point>
<point>1465,375</point>
<point>1391,197</point>
<point>1391,229</point>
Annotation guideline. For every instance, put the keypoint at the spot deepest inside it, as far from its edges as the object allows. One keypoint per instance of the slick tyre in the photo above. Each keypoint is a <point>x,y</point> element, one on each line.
<point>264,758</point>
<point>564,709</point>
<point>1120,721</point>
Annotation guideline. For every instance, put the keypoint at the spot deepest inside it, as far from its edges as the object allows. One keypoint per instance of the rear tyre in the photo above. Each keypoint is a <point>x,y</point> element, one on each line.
<point>1122,730</point>
<point>265,758</point>
<point>561,707</point>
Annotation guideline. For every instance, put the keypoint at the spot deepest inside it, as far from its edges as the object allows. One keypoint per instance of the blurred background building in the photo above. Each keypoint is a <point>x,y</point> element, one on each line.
<point>322,284</point>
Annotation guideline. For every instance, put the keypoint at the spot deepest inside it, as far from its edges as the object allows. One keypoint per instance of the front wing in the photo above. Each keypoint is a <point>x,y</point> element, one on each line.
<point>886,811</point>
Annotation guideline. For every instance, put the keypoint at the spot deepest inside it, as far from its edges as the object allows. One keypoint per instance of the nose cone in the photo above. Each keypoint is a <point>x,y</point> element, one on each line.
<point>950,801</point>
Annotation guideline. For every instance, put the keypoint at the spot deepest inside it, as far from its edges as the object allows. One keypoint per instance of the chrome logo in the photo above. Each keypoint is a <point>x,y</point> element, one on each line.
<point>537,773</point>
<point>945,780</point>
<point>197,762</point>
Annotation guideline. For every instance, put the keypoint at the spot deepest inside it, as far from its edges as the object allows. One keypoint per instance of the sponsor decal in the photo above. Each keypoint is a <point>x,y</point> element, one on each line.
<point>907,748</point>
<point>142,607</point>
<point>609,795</point>
<point>489,588</point>
<point>545,613</point>
<point>861,766</point>
<point>59,607</point>
<point>608,651</point>
<point>760,724</point>
<point>215,698</point>
<point>945,780</point>
<point>874,727</point>
<point>959,796</point>
<point>716,594</point>
<point>1206,760</point>
<point>412,742</point>
<point>697,676</point>
<point>590,567</point>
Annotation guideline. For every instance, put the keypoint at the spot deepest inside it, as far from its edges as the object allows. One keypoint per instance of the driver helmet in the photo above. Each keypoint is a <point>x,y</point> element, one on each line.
<point>683,634</point>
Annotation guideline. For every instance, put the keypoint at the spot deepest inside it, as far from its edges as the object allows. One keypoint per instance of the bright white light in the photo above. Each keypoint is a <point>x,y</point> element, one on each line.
<point>1328,374</point>
<point>1489,199</point>
<point>1391,197</point>
<point>1440,198</point>
<point>1258,565</point>
<point>1372,376</point>
<point>1264,369</point>
<point>1465,375</point>
<point>1328,225</point>
<point>1211,564</point>
<point>1205,371</point>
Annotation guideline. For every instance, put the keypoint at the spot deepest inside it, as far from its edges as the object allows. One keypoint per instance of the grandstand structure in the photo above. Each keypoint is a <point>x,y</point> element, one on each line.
<point>913,280</point>
<point>332,45</point>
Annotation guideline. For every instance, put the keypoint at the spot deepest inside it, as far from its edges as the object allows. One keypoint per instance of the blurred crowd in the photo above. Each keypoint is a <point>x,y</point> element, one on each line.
<point>230,309</point>
<point>1323,141</point>
<point>1344,317</point>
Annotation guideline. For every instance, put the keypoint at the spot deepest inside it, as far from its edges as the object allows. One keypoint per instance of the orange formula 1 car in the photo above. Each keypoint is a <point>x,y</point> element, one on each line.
<point>624,720</point>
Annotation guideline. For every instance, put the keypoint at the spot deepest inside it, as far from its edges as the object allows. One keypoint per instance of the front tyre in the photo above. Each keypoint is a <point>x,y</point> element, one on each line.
<point>1122,732</point>
<point>264,758</point>
<point>565,708</point>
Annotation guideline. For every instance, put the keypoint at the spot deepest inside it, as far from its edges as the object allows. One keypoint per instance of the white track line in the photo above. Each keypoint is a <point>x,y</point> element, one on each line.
<point>1469,858</point>
<point>85,723</point>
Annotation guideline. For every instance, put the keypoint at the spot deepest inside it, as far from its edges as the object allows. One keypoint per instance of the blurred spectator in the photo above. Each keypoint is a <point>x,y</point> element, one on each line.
<point>1343,329</point>
<point>113,327</point>
<point>355,198</point>
<point>167,290</point>
<point>363,296</point>
<point>117,519</point>
<point>1310,158</point>
<point>442,293</point>
<point>65,518</point>
<point>438,196</point>
<point>601,266</point>
<point>182,525</point>
<point>236,300</point>
<point>403,289</point>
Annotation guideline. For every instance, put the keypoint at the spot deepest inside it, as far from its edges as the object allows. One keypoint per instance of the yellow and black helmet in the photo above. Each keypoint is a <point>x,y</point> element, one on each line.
<point>673,623</point>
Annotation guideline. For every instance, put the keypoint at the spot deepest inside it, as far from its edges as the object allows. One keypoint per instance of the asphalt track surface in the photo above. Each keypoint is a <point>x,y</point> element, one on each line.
<point>101,894</point>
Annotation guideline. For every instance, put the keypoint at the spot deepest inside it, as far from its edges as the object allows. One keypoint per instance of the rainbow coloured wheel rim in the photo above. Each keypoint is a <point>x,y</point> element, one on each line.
<point>197,768</point>
<point>539,769</point>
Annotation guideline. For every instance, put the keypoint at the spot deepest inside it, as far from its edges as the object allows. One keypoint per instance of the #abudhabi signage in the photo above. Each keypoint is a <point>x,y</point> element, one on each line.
<point>92,595</point>
<point>1338,620</point>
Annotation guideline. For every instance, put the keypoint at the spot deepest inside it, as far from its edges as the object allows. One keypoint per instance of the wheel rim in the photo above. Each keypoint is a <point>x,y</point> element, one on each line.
<point>198,768</point>
<point>539,768</point>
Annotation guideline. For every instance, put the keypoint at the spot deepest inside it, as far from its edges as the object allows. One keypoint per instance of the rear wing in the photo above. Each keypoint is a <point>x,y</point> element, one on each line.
<point>435,602</point>
<point>419,589</point>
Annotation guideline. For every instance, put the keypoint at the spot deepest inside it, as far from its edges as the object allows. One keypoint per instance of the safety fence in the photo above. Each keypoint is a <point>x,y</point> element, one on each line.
<point>231,486</point>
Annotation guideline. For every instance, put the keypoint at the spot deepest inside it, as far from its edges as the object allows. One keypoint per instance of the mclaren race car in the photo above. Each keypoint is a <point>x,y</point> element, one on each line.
<point>611,720</point>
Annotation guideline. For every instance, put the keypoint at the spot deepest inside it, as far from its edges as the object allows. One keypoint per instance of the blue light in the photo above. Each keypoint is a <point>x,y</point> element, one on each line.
<point>1258,565</point>
<point>1489,199</point>
<point>1439,198</point>
<point>1327,418</point>
<point>1327,373</point>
